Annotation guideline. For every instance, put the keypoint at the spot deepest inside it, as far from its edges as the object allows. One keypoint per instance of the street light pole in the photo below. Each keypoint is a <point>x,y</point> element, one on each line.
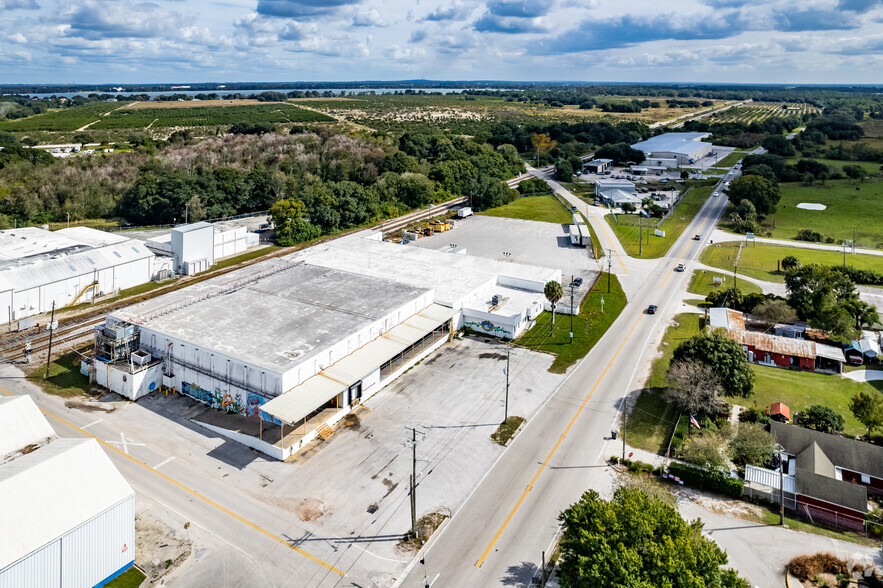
<point>609,268</point>
<point>506,405</point>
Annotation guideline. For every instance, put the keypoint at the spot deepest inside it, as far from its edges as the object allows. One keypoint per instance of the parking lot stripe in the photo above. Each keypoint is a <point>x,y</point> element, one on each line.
<point>555,447</point>
<point>192,492</point>
<point>163,462</point>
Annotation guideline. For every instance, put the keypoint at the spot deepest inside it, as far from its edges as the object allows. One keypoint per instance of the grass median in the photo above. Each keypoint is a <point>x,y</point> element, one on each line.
<point>761,261</point>
<point>628,232</point>
<point>702,283</point>
<point>588,326</point>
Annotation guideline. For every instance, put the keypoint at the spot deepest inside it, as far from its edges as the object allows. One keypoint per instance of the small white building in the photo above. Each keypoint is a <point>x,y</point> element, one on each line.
<point>685,148</point>
<point>67,515</point>
<point>615,193</point>
<point>67,267</point>
<point>193,247</point>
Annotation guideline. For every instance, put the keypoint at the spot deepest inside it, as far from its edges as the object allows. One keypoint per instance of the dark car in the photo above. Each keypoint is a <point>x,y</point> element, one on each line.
<point>651,309</point>
<point>574,209</point>
<point>577,282</point>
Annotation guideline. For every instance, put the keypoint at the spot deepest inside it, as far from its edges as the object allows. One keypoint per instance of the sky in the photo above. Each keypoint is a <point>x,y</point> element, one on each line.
<point>178,41</point>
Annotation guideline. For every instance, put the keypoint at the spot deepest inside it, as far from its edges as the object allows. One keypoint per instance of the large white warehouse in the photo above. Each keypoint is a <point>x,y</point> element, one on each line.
<point>67,516</point>
<point>298,341</point>
<point>67,267</point>
<point>685,148</point>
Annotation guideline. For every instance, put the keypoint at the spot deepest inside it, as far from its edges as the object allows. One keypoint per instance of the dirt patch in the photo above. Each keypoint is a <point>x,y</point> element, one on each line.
<point>352,421</point>
<point>310,509</point>
<point>724,506</point>
<point>390,486</point>
<point>426,526</point>
<point>90,406</point>
<point>158,547</point>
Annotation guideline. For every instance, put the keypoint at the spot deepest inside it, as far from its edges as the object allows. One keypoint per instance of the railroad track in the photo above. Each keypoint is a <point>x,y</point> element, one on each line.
<point>404,221</point>
<point>66,335</point>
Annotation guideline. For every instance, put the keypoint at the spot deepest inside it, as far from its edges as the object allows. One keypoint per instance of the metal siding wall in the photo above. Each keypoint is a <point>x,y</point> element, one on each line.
<point>40,569</point>
<point>93,551</point>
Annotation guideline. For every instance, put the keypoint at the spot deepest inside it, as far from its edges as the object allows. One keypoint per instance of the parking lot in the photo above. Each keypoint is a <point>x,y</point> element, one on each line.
<point>518,241</point>
<point>344,500</point>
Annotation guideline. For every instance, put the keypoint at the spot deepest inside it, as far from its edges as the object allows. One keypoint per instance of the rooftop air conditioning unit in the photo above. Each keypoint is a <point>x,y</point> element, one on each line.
<point>497,299</point>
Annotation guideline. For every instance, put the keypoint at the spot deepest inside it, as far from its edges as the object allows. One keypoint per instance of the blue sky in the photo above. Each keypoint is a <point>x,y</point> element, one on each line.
<point>122,41</point>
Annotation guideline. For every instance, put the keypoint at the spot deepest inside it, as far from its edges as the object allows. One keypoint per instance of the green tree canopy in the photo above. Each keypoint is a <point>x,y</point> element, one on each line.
<point>634,540</point>
<point>724,355</point>
<point>820,418</point>
<point>761,192</point>
<point>820,296</point>
<point>867,407</point>
<point>752,444</point>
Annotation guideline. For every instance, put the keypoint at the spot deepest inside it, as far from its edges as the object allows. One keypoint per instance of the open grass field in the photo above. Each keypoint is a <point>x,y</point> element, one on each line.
<point>837,164</point>
<point>731,159</point>
<point>849,203</point>
<point>588,326</point>
<point>652,419</point>
<point>67,119</point>
<point>64,379</point>
<point>199,116</point>
<point>536,208</point>
<point>702,283</point>
<point>760,261</point>
<point>628,231</point>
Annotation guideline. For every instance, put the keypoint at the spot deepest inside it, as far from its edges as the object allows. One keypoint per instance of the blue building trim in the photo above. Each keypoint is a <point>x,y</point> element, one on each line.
<point>115,574</point>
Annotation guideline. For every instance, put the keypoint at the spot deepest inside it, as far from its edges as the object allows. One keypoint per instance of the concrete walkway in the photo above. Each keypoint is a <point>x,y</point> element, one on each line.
<point>864,375</point>
<point>720,235</point>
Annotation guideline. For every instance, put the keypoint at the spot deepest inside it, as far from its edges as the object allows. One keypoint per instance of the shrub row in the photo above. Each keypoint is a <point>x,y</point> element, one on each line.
<point>707,480</point>
<point>635,466</point>
<point>860,276</point>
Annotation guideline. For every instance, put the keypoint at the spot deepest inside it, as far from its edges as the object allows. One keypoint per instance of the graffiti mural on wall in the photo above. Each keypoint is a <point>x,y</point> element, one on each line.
<point>487,327</point>
<point>216,399</point>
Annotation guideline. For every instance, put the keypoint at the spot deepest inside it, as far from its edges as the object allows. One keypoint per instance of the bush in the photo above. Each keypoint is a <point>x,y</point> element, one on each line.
<point>707,480</point>
<point>754,415</point>
<point>809,235</point>
<point>807,567</point>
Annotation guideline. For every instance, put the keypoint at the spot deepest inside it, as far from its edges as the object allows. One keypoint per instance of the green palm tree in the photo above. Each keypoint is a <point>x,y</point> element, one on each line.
<point>553,292</point>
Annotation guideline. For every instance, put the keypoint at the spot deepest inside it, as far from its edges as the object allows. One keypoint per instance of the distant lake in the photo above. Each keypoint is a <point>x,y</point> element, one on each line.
<point>223,91</point>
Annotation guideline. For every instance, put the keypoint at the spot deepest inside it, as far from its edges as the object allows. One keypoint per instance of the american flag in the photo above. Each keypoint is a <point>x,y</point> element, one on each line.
<point>694,422</point>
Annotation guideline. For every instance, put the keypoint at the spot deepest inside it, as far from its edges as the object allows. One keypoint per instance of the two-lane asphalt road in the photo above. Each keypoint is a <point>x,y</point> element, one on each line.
<point>500,532</point>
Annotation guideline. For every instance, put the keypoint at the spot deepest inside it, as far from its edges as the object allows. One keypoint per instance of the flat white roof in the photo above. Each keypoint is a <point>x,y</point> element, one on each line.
<point>91,236</point>
<point>53,490</point>
<point>21,426</point>
<point>680,143</point>
<point>274,314</point>
<point>453,278</point>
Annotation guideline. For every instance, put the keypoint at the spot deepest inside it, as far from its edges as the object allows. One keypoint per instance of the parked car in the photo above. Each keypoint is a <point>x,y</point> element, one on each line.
<point>651,309</point>
<point>577,282</point>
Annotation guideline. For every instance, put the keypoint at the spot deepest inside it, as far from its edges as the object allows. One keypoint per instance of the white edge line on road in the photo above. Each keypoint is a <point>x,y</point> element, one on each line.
<point>92,423</point>
<point>433,580</point>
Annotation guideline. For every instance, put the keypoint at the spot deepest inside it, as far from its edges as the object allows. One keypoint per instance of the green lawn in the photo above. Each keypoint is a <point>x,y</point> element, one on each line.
<point>628,232</point>
<point>702,283</point>
<point>131,578</point>
<point>731,159</point>
<point>848,203</point>
<point>536,208</point>
<point>799,390</point>
<point>652,419</point>
<point>588,326</point>
<point>760,261</point>
<point>771,517</point>
<point>64,379</point>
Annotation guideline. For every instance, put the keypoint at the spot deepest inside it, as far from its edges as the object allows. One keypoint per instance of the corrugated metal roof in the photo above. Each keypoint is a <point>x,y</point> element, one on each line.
<point>91,237</point>
<point>829,352</point>
<point>774,344</point>
<point>735,319</point>
<point>302,400</point>
<point>21,425</point>
<point>681,143</point>
<point>769,478</point>
<point>192,227</point>
<point>46,269</point>
<point>28,241</point>
<point>54,489</point>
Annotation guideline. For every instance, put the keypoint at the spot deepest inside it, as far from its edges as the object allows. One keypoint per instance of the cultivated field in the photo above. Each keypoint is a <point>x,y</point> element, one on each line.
<point>202,116</point>
<point>191,104</point>
<point>67,119</point>
<point>760,111</point>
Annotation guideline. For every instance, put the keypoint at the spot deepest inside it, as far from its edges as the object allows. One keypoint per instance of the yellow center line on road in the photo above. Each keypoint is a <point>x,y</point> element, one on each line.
<point>192,492</point>
<point>555,448</point>
<point>701,230</point>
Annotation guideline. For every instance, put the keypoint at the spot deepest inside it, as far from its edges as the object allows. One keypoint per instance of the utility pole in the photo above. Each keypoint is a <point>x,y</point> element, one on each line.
<point>844,254</point>
<point>413,443</point>
<point>506,405</point>
<point>609,267</point>
<point>625,420</point>
<point>51,332</point>
<point>640,235</point>
<point>781,490</point>
<point>853,239</point>
<point>186,207</point>
<point>571,309</point>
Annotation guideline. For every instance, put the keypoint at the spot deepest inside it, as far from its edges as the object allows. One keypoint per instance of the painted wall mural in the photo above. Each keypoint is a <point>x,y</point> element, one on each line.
<point>215,399</point>
<point>487,327</point>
